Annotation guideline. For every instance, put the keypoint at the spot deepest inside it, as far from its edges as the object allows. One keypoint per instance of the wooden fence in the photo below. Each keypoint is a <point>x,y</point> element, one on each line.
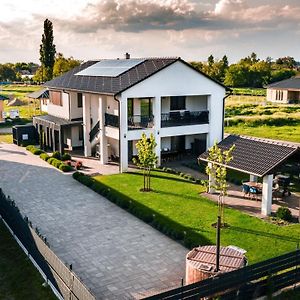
<point>62,278</point>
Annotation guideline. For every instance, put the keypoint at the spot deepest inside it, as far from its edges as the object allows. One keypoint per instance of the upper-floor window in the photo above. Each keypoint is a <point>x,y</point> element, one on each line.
<point>55,98</point>
<point>177,103</point>
<point>79,99</point>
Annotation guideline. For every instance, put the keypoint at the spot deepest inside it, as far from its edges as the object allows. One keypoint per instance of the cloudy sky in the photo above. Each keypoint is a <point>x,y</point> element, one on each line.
<point>191,29</point>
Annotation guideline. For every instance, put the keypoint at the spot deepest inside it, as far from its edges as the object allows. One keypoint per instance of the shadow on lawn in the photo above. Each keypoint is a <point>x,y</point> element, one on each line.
<point>265,234</point>
<point>163,177</point>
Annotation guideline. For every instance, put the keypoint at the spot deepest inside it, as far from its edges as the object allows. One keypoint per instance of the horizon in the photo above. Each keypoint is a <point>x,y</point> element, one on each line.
<point>190,29</point>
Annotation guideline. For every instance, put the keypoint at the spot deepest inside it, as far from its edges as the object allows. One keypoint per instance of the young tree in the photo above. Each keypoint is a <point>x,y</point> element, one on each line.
<point>63,65</point>
<point>217,169</point>
<point>146,158</point>
<point>47,51</point>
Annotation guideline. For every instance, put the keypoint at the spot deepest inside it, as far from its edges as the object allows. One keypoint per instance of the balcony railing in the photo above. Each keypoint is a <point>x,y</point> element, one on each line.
<point>111,120</point>
<point>177,118</point>
<point>140,122</point>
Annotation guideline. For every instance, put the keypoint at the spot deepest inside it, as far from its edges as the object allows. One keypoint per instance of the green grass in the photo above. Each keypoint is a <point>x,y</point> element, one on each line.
<point>179,201</point>
<point>18,91</point>
<point>285,133</point>
<point>6,138</point>
<point>18,277</point>
<point>249,91</point>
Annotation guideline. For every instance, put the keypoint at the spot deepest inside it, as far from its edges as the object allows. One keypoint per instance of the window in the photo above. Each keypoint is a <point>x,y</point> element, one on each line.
<point>55,98</point>
<point>80,133</point>
<point>79,99</point>
<point>177,102</point>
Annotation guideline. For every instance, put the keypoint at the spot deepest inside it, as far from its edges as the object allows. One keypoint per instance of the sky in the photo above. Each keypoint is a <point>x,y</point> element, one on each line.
<point>191,29</point>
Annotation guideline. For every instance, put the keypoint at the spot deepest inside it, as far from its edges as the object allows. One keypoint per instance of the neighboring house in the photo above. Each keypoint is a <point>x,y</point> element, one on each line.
<point>104,106</point>
<point>286,91</point>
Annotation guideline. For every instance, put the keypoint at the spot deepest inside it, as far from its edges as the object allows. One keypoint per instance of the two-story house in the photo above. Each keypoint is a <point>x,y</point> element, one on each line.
<point>104,106</point>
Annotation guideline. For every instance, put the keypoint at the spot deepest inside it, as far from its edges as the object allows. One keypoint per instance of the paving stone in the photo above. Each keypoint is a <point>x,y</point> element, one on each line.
<point>111,250</point>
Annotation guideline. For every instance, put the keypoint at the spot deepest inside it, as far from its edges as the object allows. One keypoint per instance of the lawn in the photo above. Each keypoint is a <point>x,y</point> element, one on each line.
<point>180,202</point>
<point>285,133</point>
<point>18,277</point>
<point>6,138</point>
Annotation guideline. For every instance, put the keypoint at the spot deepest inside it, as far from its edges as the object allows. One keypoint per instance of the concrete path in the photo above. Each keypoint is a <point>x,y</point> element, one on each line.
<point>5,130</point>
<point>116,255</point>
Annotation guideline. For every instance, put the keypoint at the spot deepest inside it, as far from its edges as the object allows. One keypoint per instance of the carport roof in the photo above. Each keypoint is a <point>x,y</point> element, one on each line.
<point>40,94</point>
<point>254,156</point>
<point>56,121</point>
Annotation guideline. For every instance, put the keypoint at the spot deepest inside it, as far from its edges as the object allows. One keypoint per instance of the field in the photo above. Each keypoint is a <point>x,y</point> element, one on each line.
<point>18,277</point>
<point>6,138</point>
<point>28,109</point>
<point>261,240</point>
<point>252,115</point>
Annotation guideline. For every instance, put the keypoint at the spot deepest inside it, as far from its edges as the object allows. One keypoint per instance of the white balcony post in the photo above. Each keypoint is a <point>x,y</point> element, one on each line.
<point>103,138</point>
<point>123,151</point>
<point>157,124</point>
<point>86,108</point>
<point>266,203</point>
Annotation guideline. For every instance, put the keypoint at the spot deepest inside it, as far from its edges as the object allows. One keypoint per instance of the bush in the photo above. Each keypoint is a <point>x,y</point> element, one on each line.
<point>65,168</point>
<point>284,213</point>
<point>76,175</point>
<point>34,150</point>
<point>30,147</point>
<point>56,155</point>
<point>44,156</point>
<point>65,157</point>
<point>55,162</point>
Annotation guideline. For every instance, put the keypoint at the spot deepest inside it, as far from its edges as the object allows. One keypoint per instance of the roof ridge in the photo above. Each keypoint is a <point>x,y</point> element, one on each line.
<point>269,141</point>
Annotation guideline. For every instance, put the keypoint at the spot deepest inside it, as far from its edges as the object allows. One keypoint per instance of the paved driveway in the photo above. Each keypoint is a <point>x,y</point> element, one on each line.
<point>117,255</point>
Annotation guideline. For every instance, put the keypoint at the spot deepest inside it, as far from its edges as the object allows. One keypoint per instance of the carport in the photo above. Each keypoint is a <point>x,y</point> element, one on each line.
<point>258,158</point>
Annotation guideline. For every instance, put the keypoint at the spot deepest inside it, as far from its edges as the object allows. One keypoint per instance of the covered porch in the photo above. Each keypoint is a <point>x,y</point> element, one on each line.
<point>259,159</point>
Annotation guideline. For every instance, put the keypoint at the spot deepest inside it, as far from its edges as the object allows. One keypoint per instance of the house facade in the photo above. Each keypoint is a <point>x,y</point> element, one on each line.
<point>104,107</point>
<point>286,91</point>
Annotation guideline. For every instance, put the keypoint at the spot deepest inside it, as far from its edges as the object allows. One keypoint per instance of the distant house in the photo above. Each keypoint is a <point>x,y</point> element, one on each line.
<point>286,91</point>
<point>103,107</point>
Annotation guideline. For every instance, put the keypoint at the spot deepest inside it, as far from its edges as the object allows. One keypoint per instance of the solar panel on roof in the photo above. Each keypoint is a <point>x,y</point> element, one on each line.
<point>110,67</point>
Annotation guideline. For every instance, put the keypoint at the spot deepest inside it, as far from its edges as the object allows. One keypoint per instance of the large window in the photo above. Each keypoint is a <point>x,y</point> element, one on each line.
<point>55,98</point>
<point>146,107</point>
<point>80,133</point>
<point>177,103</point>
<point>79,99</point>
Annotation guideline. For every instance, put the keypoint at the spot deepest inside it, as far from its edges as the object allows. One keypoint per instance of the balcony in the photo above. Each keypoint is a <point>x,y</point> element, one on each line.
<point>140,122</point>
<point>111,120</point>
<point>177,118</point>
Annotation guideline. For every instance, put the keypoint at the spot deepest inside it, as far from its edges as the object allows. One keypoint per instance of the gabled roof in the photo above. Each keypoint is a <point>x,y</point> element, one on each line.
<point>254,156</point>
<point>291,83</point>
<point>113,85</point>
<point>43,93</point>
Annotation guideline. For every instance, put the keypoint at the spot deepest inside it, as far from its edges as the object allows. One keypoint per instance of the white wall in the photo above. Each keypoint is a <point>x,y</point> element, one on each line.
<point>111,106</point>
<point>75,111</point>
<point>113,146</point>
<point>60,111</point>
<point>75,137</point>
<point>184,130</point>
<point>95,108</point>
<point>271,96</point>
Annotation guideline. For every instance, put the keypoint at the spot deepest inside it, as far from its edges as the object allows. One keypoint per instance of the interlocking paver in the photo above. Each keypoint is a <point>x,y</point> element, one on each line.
<point>114,253</point>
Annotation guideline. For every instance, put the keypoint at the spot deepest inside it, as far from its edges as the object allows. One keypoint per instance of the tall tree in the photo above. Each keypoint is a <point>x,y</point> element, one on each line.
<point>146,158</point>
<point>63,65</point>
<point>47,51</point>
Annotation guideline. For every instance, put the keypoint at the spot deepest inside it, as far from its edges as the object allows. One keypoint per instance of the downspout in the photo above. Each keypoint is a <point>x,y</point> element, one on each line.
<point>119,132</point>
<point>223,123</point>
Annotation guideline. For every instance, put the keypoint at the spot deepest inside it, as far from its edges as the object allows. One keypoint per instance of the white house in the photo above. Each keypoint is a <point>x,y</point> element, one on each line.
<point>286,91</point>
<point>104,106</point>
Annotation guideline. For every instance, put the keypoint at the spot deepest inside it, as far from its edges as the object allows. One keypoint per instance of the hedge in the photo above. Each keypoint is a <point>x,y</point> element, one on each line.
<point>44,156</point>
<point>34,150</point>
<point>172,229</point>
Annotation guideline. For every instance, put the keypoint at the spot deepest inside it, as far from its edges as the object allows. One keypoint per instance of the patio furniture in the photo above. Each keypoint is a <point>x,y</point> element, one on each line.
<point>255,189</point>
<point>246,190</point>
<point>283,182</point>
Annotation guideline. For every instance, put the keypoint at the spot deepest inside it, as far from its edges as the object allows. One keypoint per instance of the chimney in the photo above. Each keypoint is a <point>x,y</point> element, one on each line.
<point>127,55</point>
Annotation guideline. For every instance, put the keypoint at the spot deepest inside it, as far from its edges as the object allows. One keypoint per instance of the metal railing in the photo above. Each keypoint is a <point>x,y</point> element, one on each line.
<point>140,122</point>
<point>111,120</point>
<point>177,118</point>
<point>94,131</point>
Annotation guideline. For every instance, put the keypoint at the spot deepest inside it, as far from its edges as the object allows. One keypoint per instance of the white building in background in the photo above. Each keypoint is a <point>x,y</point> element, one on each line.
<point>104,106</point>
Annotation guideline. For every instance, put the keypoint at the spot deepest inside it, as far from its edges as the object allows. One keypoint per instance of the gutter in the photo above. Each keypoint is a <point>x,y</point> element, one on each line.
<point>223,117</point>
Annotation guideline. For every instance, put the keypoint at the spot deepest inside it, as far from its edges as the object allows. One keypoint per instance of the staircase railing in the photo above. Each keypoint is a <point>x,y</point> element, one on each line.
<point>94,131</point>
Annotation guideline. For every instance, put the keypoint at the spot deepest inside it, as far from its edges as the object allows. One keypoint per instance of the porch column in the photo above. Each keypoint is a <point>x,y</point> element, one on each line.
<point>123,151</point>
<point>86,108</point>
<point>253,178</point>
<point>53,140</point>
<point>157,123</point>
<point>61,140</point>
<point>103,138</point>
<point>266,204</point>
<point>211,181</point>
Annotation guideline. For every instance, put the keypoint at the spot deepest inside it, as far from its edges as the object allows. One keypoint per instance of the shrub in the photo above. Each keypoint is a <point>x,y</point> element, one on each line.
<point>76,175</point>
<point>44,156</point>
<point>65,168</point>
<point>55,162</point>
<point>78,165</point>
<point>50,159</point>
<point>65,157</point>
<point>284,213</point>
<point>30,147</point>
<point>37,151</point>
<point>56,155</point>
